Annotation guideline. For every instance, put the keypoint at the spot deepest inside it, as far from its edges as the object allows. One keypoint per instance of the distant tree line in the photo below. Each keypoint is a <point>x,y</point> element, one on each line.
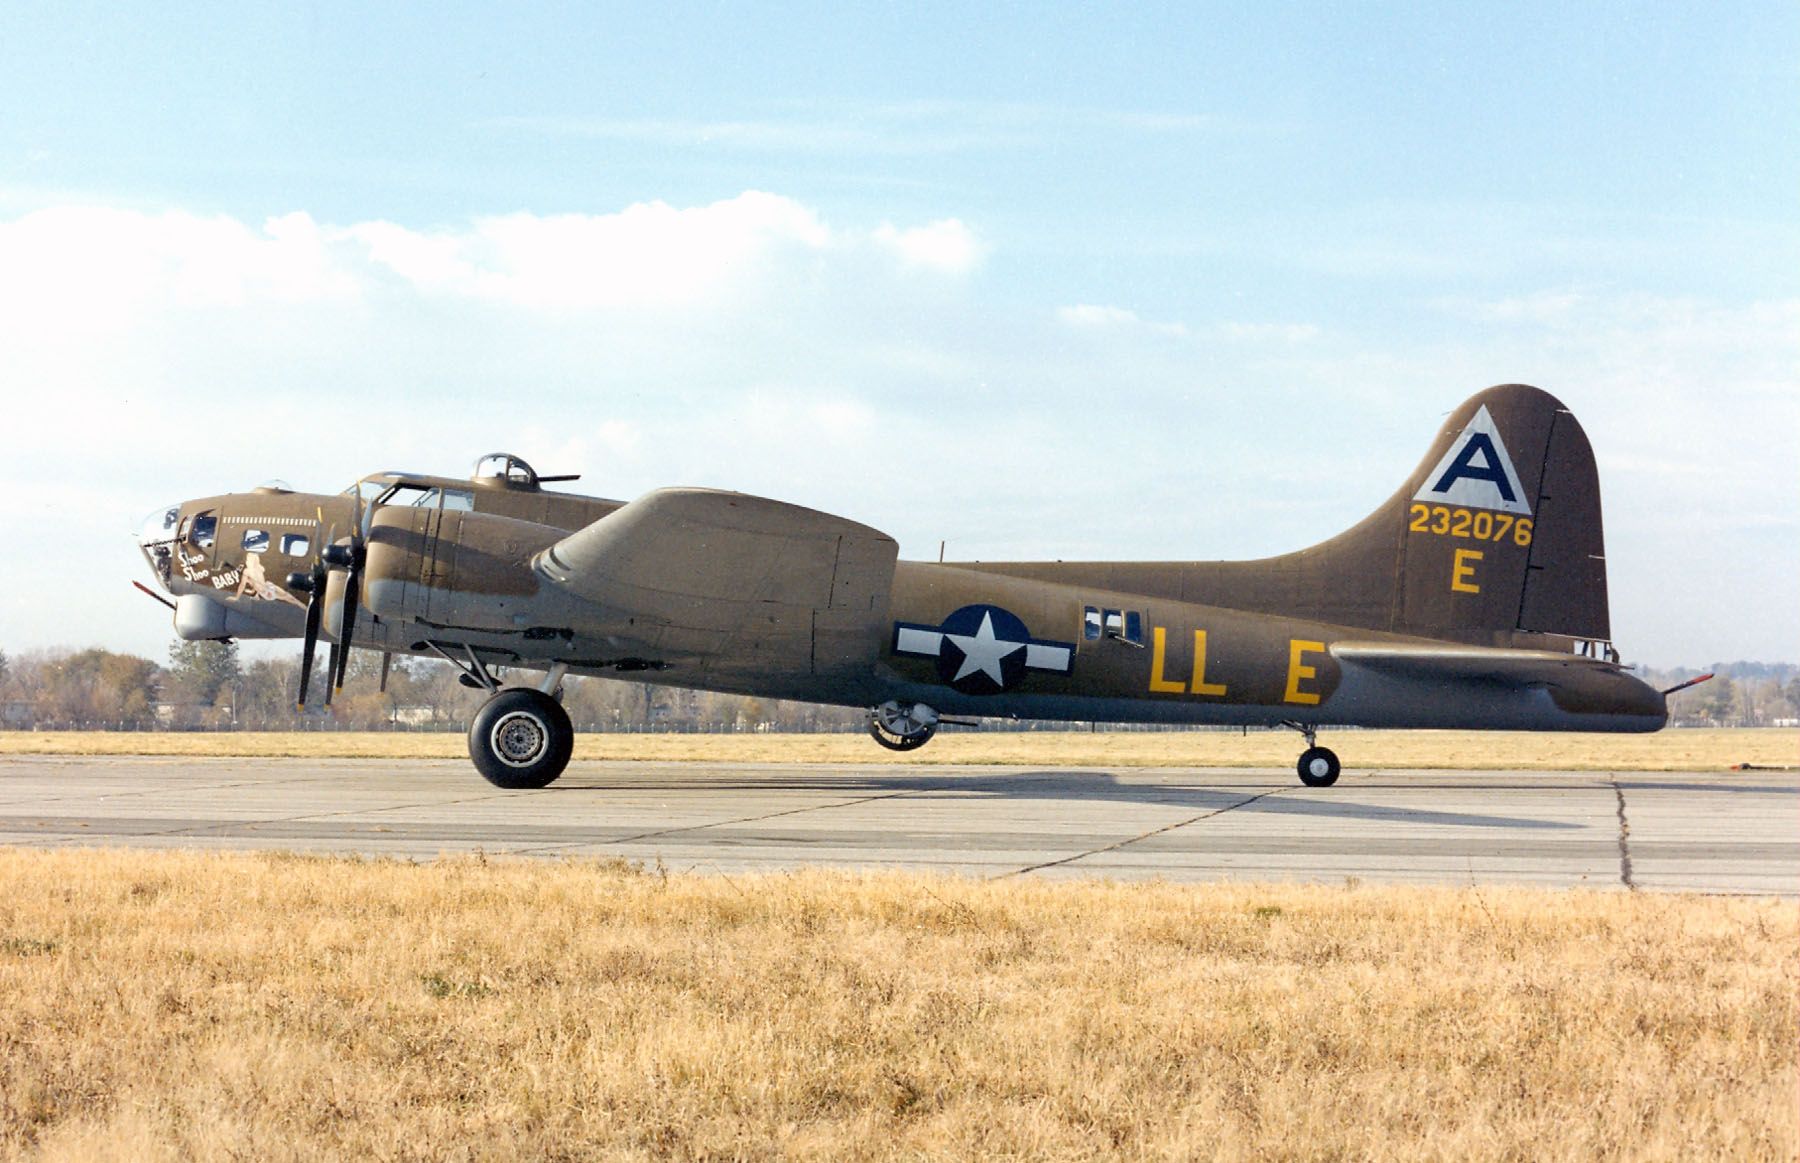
<point>205,686</point>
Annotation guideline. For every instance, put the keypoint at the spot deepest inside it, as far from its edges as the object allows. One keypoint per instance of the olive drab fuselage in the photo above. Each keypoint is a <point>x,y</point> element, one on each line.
<point>1475,597</point>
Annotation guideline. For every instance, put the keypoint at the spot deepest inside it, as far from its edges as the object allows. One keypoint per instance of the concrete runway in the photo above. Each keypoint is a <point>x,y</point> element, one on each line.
<point>1730,832</point>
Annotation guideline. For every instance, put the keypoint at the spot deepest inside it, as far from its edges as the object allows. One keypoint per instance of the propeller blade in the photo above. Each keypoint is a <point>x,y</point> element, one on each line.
<point>364,513</point>
<point>309,646</point>
<point>352,599</point>
<point>387,660</point>
<point>332,657</point>
<point>315,587</point>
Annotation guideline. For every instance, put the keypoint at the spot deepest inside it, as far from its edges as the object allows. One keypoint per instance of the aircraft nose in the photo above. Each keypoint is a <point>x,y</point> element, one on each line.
<point>160,526</point>
<point>156,538</point>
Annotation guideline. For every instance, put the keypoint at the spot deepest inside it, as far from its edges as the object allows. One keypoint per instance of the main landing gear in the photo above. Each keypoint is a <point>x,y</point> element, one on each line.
<point>902,726</point>
<point>1318,766</point>
<point>521,738</point>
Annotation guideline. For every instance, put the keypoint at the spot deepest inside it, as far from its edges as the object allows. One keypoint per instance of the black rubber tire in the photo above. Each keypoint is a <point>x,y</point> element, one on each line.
<point>895,742</point>
<point>1318,767</point>
<point>521,739</point>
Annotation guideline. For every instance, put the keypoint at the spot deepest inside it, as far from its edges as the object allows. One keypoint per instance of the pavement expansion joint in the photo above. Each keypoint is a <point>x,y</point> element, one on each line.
<point>1624,839</point>
<point>1105,848</point>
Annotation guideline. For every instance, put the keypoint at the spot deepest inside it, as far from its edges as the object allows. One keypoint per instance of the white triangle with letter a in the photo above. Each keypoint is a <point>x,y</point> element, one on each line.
<point>1476,472</point>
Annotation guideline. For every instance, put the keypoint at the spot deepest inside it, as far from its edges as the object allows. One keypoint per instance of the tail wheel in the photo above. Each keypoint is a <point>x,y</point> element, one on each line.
<point>902,726</point>
<point>1318,767</point>
<point>521,739</point>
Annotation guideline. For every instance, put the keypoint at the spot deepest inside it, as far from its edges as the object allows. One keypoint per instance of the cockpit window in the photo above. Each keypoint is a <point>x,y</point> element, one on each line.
<point>256,541</point>
<point>420,497</point>
<point>370,488</point>
<point>203,530</point>
<point>414,495</point>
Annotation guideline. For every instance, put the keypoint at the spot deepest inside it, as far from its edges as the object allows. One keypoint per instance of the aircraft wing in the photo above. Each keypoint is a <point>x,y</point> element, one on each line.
<point>731,582</point>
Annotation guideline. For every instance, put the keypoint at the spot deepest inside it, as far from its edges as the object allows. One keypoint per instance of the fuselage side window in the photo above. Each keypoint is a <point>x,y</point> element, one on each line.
<point>256,541</point>
<point>1134,627</point>
<point>1115,624</point>
<point>295,544</point>
<point>1090,623</point>
<point>205,527</point>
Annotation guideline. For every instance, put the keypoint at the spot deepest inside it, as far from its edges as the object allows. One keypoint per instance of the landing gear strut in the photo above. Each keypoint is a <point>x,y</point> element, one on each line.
<point>1318,766</point>
<point>902,726</point>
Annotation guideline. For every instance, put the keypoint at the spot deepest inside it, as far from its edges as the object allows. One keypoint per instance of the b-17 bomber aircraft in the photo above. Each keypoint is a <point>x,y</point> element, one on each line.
<point>1475,597</point>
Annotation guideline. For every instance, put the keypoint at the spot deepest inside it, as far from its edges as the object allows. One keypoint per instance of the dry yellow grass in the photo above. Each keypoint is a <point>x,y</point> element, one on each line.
<point>184,1006</point>
<point>1674,750</point>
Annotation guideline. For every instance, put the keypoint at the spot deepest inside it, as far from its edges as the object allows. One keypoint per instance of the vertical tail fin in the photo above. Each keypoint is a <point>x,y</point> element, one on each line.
<point>1495,538</point>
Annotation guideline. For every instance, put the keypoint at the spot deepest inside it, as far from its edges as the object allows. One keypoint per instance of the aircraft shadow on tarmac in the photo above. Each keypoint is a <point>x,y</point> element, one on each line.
<point>1090,785</point>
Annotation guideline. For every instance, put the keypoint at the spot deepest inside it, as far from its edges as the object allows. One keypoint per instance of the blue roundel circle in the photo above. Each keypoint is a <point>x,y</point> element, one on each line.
<point>984,650</point>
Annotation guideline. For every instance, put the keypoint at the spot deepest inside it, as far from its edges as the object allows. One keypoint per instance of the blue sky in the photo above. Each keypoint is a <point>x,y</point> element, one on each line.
<point>1056,280</point>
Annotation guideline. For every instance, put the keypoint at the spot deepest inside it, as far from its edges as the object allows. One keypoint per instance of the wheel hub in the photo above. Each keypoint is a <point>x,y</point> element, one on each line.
<point>906,720</point>
<point>519,739</point>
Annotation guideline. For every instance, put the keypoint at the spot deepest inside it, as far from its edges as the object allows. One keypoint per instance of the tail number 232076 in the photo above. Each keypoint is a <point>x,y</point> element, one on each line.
<point>1475,525</point>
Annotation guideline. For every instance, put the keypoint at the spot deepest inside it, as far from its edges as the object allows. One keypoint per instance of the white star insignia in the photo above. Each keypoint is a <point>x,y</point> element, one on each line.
<point>982,651</point>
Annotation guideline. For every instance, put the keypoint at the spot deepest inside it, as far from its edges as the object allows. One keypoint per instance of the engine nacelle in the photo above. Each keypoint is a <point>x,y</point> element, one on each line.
<point>450,568</point>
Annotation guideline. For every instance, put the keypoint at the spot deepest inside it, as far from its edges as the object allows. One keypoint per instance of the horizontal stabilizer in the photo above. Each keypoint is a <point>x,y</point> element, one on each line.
<point>1468,663</point>
<point>1440,674</point>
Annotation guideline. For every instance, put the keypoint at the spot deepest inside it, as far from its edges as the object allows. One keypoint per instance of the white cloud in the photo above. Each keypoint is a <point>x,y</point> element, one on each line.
<point>1091,316</point>
<point>948,246</point>
<point>92,269</point>
<point>1094,316</point>
<point>649,254</point>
